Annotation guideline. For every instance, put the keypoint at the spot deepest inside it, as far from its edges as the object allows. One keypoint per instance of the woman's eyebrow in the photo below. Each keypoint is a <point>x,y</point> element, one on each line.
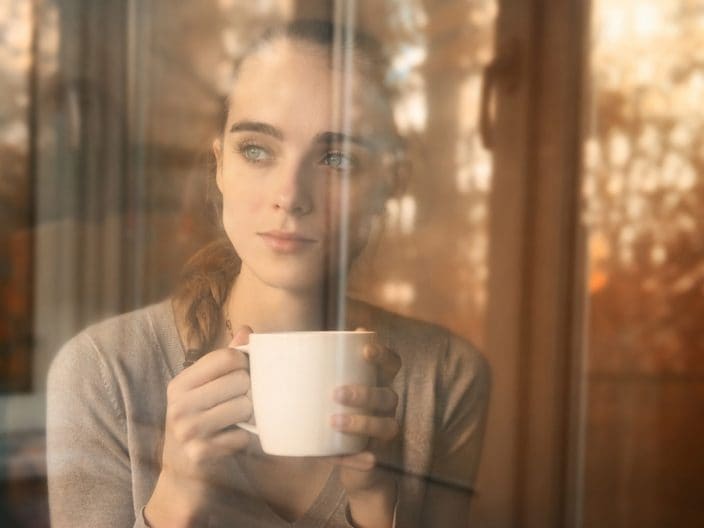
<point>339,137</point>
<point>256,126</point>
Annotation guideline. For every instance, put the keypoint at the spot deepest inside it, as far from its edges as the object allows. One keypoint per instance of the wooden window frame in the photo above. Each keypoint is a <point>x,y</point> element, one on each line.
<point>531,470</point>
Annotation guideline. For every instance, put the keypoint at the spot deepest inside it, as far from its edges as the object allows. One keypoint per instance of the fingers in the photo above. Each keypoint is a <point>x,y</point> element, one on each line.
<point>214,364</point>
<point>232,439</point>
<point>241,336</point>
<point>205,452</point>
<point>226,387</point>
<point>364,461</point>
<point>380,401</point>
<point>213,422</point>
<point>209,396</point>
<point>225,414</point>
<point>211,366</point>
<point>384,429</point>
<point>374,400</point>
<point>387,360</point>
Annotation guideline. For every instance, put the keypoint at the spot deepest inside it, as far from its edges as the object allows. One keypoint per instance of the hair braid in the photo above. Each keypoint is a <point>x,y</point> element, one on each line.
<point>202,290</point>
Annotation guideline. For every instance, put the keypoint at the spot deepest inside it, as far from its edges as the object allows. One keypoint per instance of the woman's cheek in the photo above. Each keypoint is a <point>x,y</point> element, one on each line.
<point>242,203</point>
<point>237,214</point>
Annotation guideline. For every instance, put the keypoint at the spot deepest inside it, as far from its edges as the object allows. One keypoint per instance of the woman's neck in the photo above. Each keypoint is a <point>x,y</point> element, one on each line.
<point>269,309</point>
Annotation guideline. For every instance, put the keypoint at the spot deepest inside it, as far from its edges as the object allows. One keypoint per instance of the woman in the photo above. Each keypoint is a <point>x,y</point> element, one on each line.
<point>306,159</point>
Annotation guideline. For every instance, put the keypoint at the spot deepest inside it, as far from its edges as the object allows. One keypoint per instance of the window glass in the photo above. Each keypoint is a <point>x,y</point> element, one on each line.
<point>644,192</point>
<point>117,138</point>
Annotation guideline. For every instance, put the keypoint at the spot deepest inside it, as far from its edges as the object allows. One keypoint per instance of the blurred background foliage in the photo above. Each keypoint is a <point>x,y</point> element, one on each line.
<point>644,191</point>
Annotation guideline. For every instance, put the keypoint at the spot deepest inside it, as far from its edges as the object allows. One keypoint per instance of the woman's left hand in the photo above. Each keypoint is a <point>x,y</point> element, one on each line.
<point>364,482</point>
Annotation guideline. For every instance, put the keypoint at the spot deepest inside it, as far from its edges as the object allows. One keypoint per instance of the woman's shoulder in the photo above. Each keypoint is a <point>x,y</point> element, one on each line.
<point>112,373</point>
<point>139,324</point>
<point>130,341</point>
<point>423,341</point>
<point>392,325</point>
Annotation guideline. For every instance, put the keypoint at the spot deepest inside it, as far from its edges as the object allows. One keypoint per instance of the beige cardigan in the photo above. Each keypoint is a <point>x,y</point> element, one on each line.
<point>107,404</point>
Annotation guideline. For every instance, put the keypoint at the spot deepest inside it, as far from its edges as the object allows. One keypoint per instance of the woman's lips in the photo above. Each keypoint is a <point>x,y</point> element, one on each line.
<point>286,242</point>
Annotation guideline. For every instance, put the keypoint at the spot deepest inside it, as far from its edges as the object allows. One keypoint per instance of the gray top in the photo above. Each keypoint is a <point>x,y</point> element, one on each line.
<point>107,405</point>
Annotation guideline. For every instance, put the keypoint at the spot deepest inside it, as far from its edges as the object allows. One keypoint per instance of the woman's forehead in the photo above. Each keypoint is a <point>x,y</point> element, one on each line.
<point>293,84</point>
<point>278,54</point>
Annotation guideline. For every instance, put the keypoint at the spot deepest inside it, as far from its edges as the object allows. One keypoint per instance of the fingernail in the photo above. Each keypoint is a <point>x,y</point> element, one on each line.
<point>369,458</point>
<point>340,420</point>
<point>239,336</point>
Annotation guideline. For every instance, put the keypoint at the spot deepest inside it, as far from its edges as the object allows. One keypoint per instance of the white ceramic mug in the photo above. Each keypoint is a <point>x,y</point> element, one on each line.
<point>293,377</point>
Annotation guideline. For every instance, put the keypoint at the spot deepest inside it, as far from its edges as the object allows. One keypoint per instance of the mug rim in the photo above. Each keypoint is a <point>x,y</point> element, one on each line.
<point>314,332</point>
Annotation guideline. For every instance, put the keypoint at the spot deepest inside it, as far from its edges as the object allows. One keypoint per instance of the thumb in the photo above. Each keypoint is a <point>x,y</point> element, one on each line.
<point>241,336</point>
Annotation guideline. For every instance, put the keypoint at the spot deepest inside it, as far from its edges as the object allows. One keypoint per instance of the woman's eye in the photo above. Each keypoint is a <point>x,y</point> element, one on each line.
<point>338,160</point>
<point>255,153</point>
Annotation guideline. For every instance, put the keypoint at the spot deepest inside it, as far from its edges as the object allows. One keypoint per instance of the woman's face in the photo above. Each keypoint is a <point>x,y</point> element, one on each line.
<point>300,189</point>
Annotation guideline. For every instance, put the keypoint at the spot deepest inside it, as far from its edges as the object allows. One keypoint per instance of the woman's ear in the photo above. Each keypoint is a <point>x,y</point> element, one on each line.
<point>217,152</point>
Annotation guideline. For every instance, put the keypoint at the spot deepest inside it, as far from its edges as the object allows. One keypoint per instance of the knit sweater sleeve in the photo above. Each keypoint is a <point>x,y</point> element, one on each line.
<point>462,401</point>
<point>88,462</point>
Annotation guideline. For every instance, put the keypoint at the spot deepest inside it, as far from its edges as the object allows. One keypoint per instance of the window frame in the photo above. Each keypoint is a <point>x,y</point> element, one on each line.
<point>531,470</point>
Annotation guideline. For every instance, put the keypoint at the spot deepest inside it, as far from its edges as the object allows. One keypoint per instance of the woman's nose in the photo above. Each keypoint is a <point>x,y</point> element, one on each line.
<point>294,192</point>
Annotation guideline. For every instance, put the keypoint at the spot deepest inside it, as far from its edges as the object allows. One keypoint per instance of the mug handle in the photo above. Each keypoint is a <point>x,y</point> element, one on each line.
<point>244,425</point>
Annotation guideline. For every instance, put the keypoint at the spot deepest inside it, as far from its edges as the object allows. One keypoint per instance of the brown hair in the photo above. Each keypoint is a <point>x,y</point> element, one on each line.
<point>207,277</point>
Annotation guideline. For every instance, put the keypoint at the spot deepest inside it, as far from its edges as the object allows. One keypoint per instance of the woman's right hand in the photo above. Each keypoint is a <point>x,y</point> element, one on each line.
<point>203,404</point>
